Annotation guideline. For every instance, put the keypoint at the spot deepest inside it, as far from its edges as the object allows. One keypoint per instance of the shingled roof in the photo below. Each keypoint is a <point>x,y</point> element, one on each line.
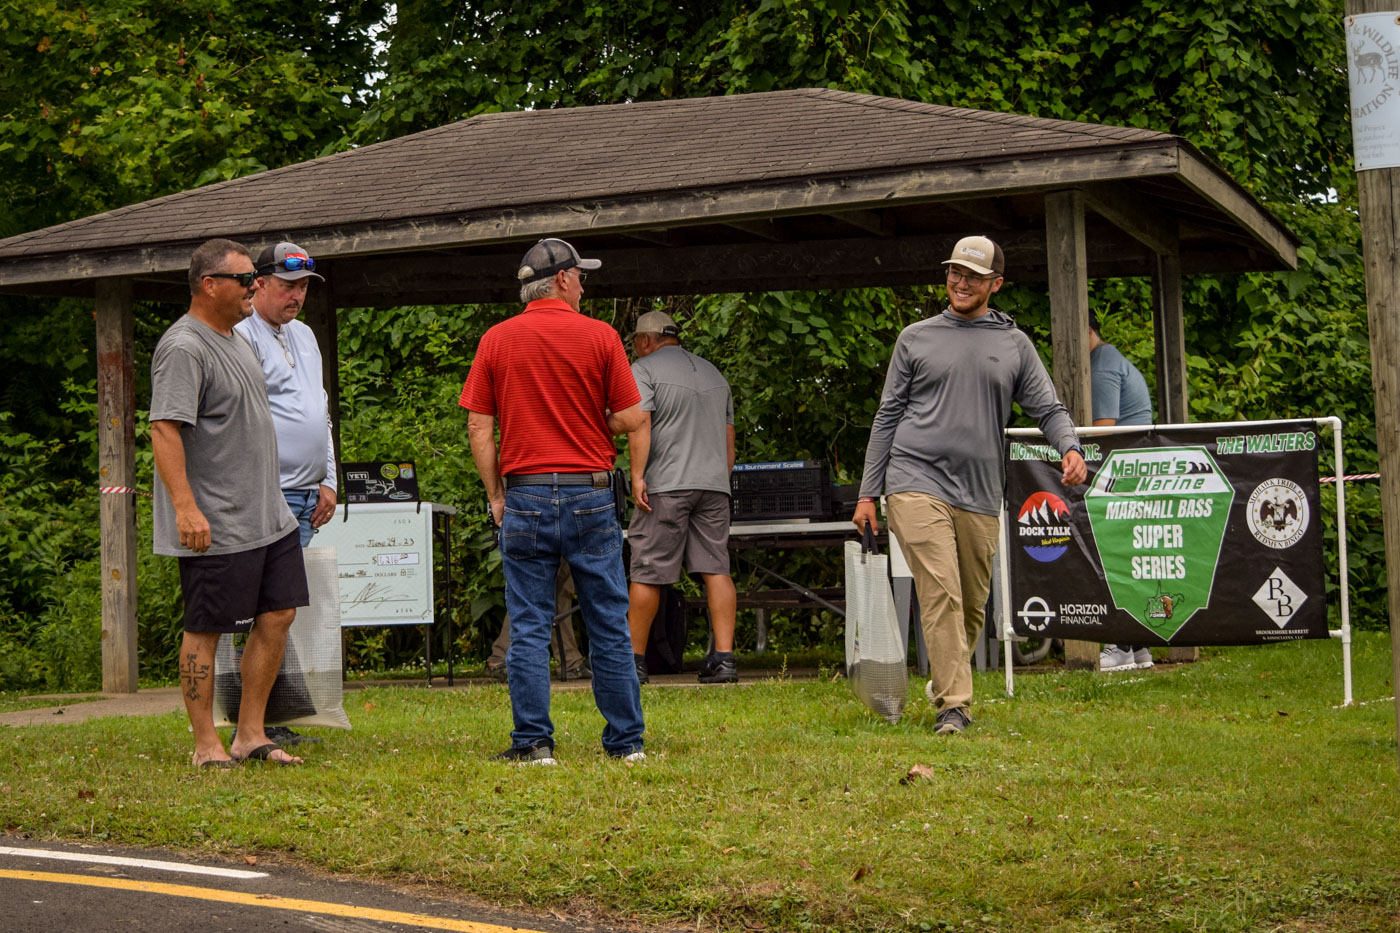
<point>510,177</point>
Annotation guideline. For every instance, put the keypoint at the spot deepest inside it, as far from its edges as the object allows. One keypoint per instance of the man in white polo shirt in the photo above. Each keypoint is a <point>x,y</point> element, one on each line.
<point>682,456</point>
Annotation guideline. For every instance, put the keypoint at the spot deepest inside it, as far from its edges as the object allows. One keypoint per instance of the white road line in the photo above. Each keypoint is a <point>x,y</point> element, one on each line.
<point>154,864</point>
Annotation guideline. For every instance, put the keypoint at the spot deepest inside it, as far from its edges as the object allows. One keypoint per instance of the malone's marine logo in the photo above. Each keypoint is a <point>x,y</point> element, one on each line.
<point>1277,513</point>
<point>1043,527</point>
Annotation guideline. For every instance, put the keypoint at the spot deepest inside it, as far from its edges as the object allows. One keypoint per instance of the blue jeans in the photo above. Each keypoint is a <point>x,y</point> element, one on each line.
<point>543,525</point>
<point>303,503</point>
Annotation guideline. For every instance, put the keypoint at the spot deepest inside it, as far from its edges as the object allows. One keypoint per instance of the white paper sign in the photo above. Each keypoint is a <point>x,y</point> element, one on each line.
<point>1373,71</point>
<point>385,556</point>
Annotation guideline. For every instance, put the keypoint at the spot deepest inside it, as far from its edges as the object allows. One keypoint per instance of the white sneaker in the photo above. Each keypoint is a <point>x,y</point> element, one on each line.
<point>1142,657</point>
<point>1116,658</point>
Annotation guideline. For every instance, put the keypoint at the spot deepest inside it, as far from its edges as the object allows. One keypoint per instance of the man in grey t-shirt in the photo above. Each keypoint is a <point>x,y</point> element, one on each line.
<point>218,506</point>
<point>1120,396</point>
<point>682,456</point>
<point>936,452</point>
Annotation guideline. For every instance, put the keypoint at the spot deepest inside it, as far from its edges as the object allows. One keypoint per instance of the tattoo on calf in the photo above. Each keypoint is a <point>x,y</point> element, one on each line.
<point>192,673</point>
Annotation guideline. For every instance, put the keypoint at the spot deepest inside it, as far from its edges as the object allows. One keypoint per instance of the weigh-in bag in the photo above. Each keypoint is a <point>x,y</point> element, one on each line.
<point>875,653</point>
<point>307,691</point>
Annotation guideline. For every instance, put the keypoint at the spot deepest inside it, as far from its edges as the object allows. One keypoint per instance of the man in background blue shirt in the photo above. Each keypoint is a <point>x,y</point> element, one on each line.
<point>1120,396</point>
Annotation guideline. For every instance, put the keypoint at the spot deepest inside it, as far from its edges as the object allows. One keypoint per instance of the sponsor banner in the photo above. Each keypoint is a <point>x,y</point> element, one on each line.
<point>1183,537</point>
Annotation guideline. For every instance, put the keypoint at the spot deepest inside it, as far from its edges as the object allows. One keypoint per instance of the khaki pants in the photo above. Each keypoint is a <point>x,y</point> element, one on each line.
<point>950,552</point>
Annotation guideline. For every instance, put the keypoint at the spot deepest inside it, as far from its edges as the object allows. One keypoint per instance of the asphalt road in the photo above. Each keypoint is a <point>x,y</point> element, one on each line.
<point>59,887</point>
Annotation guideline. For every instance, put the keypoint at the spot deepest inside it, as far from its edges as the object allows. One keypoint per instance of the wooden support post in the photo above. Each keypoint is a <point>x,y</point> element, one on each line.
<point>319,314</point>
<point>1169,331</point>
<point>1378,193</point>
<point>116,460</point>
<point>1067,262</point>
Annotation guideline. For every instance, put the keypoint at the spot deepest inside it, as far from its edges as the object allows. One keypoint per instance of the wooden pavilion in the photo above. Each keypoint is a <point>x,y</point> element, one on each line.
<point>802,189</point>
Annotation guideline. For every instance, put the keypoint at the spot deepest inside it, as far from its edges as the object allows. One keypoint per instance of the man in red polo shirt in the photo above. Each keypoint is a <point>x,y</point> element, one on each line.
<point>561,387</point>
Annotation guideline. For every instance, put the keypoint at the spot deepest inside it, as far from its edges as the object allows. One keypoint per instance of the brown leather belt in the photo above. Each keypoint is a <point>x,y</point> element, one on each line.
<point>599,480</point>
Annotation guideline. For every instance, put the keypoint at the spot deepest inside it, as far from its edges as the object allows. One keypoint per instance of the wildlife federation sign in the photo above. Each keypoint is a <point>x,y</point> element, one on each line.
<point>1183,537</point>
<point>1373,72</point>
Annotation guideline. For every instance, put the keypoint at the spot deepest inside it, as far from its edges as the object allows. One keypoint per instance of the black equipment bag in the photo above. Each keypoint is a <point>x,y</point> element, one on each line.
<point>666,647</point>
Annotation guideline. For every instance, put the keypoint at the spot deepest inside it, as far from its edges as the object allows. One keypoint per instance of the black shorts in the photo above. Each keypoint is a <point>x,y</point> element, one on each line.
<point>225,592</point>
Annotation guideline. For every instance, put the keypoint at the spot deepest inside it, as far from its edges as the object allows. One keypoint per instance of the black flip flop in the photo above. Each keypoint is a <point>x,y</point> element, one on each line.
<point>262,752</point>
<point>220,764</point>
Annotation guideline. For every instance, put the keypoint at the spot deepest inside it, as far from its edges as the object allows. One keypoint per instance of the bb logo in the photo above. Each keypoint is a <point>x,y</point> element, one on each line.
<point>1277,513</point>
<point>1043,527</point>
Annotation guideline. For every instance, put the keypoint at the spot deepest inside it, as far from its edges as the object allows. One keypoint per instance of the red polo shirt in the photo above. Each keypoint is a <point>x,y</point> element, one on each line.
<point>547,375</point>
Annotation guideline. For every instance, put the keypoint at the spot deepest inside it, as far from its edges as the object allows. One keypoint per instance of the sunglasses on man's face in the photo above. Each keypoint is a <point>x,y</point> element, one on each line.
<point>242,278</point>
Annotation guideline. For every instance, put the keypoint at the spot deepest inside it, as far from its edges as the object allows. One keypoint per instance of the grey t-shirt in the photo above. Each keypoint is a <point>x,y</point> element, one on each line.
<point>214,386</point>
<point>946,401</point>
<point>690,405</point>
<point>1120,391</point>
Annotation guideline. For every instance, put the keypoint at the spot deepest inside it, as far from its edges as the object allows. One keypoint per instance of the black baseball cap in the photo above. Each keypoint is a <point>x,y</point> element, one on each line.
<point>551,256</point>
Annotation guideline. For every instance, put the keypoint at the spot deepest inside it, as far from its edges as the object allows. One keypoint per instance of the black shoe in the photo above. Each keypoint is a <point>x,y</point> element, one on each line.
<point>581,672</point>
<point>719,669</point>
<point>540,753</point>
<point>641,661</point>
<point>281,735</point>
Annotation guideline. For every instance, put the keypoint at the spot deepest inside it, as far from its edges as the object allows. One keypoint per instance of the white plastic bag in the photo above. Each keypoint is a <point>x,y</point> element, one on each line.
<point>875,653</point>
<point>308,687</point>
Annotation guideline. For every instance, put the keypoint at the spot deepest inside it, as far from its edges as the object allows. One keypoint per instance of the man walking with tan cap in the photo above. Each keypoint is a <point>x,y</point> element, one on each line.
<point>936,453</point>
<point>682,456</point>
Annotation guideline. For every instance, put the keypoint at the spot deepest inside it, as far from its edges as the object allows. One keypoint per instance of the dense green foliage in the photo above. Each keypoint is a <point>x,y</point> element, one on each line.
<point>125,100</point>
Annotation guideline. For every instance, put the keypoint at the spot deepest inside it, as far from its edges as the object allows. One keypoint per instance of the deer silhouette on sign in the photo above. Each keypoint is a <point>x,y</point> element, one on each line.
<point>1366,66</point>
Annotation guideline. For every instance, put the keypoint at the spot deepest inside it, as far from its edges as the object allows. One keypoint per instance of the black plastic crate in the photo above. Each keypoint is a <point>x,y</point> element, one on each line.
<point>785,489</point>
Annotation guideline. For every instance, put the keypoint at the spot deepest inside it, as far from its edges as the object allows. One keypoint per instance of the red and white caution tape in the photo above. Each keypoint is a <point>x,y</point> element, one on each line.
<point>118,490</point>
<point>1352,478</point>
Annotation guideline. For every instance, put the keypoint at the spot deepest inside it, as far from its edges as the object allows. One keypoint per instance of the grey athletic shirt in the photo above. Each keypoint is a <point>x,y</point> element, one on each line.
<point>947,398</point>
<point>214,386</point>
<point>690,405</point>
<point>1120,391</point>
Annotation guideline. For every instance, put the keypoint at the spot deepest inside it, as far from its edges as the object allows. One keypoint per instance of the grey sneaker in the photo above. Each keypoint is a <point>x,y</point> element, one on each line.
<point>952,720</point>
<point>540,753</point>
<point>1142,658</point>
<point>633,756</point>
<point>1116,658</point>
<point>580,672</point>
<point>719,670</point>
<point>495,671</point>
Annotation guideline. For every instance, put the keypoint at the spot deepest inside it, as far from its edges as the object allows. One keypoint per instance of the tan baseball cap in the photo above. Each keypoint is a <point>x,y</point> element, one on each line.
<point>657,322</point>
<point>979,254</point>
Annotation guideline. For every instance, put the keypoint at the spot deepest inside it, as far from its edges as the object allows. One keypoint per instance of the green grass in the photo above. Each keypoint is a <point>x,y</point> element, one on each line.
<point>1229,795</point>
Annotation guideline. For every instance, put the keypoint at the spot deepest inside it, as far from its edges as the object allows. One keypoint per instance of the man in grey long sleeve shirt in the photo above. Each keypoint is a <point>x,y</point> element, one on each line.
<point>936,452</point>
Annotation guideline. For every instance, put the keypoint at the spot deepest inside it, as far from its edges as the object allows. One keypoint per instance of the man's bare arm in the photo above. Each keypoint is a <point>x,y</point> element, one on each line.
<point>627,420</point>
<point>169,449</point>
<point>638,450</point>
<point>481,432</point>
